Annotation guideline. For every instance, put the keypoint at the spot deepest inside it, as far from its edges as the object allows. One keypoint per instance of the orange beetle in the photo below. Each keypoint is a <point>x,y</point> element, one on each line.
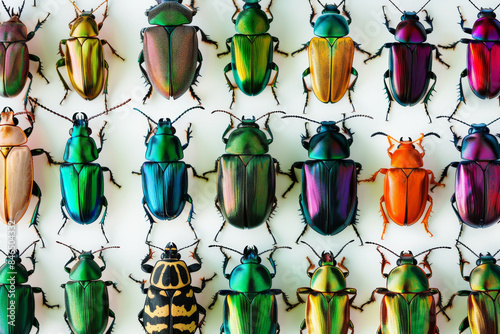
<point>406,185</point>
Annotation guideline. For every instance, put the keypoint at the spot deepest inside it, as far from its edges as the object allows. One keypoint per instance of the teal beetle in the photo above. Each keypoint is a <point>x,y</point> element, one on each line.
<point>482,302</point>
<point>250,307</point>
<point>251,50</point>
<point>328,303</point>
<point>408,305</point>
<point>17,303</point>
<point>85,296</point>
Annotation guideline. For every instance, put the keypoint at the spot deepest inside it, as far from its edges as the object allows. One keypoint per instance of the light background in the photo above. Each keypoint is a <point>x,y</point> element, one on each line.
<point>124,150</point>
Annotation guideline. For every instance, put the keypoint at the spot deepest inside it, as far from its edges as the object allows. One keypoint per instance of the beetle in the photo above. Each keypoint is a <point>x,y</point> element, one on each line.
<point>170,49</point>
<point>331,54</point>
<point>17,168</point>
<point>477,192</point>
<point>410,61</point>
<point>250,307</point>
<point>328,299</point>
<point>482,301</point>
<point>484,78</point>
<point>328,198</point>
<point>408,305</point>
<point>85,296</point>
<point>17,302</point>
<point>14,55</point>
<point>252,50</point>
<point>83,56</point>
<point>406,185</point>
<point>171,305</point>
<point>164,175</point>
<point>82,181</point>
<point>246,175</point>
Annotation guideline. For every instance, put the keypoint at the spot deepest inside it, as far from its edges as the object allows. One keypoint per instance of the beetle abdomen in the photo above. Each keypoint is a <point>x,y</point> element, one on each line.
<point>85,63</point>
<point>251,57</point>
<point>409,67</point>
<point>483,70</point>
<point>24,309</point>
<point>165,188</point>
<point>244,315</point>
<point>477,193</point>
<point>327,313</point>
<point>415,314</point>
<point>14,68</point>
<point>246,188</point>
<point>406,192</point>
<point>16,182</point>
<point>329,194</point>
<point>82,191</point>
<point>170,311</point>
<point>483,311</point>
<point>330,62</point>
<point>87,306</point>
<point>170,58</point>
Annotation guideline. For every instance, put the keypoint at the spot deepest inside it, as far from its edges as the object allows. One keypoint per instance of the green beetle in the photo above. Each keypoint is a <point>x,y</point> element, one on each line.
<point>83,57</point>
<point>17,302</point>
<point>85,296</point>
<point>408,305</point>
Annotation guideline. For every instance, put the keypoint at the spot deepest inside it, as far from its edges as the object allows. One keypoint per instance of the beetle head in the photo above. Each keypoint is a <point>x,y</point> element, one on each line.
<point>10,133</point>
<point>170,252</point>
<point>480,145</point>
<point>250,255</point>
<point>486,12</point>
<point>406,258</point>
<point>252,20</point>
<point>327,259</point>
<point>483,259</point>
<point>330,24</point>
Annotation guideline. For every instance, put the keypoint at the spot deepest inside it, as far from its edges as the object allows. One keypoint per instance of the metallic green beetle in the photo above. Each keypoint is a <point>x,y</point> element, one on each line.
<point>84,56</point>
<point>85,296</point>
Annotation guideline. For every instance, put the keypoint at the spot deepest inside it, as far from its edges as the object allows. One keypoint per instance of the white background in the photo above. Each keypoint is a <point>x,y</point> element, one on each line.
<point>124,151</point>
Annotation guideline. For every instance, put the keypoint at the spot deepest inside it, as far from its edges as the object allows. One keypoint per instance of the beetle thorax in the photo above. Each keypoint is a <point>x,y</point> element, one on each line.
<point>10,134</point>
<point>407,278</point>
<point>84,26</point>
<point>486,27</point>
<point>13,30</point>
<point>86,269</point>
<point>328,145</point>
<point>406,156</point>
<point>170,274</point>
<point>410,30</point>
<point>485,277</point>
<point>252,20</point>
<point>169,13</point>
<point>328,278</point>
<point>13,273</point>
<point>331,24</point>
<point>250,277</point>
<point>480,145</point>
<point>247,140</point>
<point>80,148</point>
<point>164,147</point>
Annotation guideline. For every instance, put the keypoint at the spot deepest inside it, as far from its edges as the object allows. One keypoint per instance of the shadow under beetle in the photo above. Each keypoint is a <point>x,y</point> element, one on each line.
<point>328,303</point>
<point>250,307</point>
<point>482,301</point>
<point>482,56</point>
<point>252,50</point>
<point>410,61</point>
<point>171,305</point>
<point>82,181</point>
<point>17,302</point>
<point>246,175</point>
<point>477,191</point>
<point>170,49</point>
<point>85,296</point>
<point>14,55</point>
<point>328,199</point>
<point>331,54</point>
<point>83,56</point>
<point>164,175</point>
<point>406,185</point>
<point>408,305</point>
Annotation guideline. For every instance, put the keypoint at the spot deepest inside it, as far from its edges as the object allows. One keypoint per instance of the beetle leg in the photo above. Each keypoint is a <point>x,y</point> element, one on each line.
<point>303,326</point>
<point>389,96</point>
<point>104,15</point>
<point>104,203</point>
<point>31,34</point>
<point>444,173</point>
<point>432,76</point>
<point>195,174</point>
<point>50,160</point>
<point>111,315</point>
<point>369,301</point>
<point>111,178</point>
<point>275,204</point>
<point>113,285</point>
<point>214,300</point>
<point>379,330</point>
<point>306,72</point>
<point>293,176</point>
<point>303,220</point>
<point>463,325</point>
<point>61,63</point>
<point>205,38</point>
<point>427,214</point>
<point>274,81</point>
<point>438,57</point>
<point>213,170</point>
<point>351,326</point>
<point>358,47</point>
<point>45,302</point>
<point>227,69</point>
<point>386,23</point>
<point>304,47</point>
<point>433,180</point>
<point>34,218</point>
<point>67,322</point>
<point>351,88</point>
<point>190,215</point>
<point>147,268</point>
<point>149,217</point>
<point>280,292</point>
<point>429,20</point>
<point>276,47</point>
<point>233,18</point>
<point>203,284</point>
<point>36,324</point>
<point>105,90</point>
<point>374,176</point>
<point>217,206</point>
<point>462,21</point>
<point>378,53</point>
<point>140,318</point>
<point>146,78</point>
<point>228,47</point>
<point>461,97</point>
<point>105,42</point>
<point>40,66</point>
<point>439,302</point>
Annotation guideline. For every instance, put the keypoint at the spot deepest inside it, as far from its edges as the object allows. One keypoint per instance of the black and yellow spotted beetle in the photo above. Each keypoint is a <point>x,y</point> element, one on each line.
<point>170,305</point>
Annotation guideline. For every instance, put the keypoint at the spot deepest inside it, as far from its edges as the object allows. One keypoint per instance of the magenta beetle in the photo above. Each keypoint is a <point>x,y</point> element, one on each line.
<point>476,200</point>
<point>482,56</point>
<point>410,61</point>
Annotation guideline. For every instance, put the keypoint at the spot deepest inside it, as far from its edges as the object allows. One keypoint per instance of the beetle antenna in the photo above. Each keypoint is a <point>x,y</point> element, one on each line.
<point>321,4</point>
<point>4,253</point>
<point>33,243</point>
<point>73,249</point>
<point>423,7</point>
<point>49,110</point>
<point>151,245</point>
<point>105,112</point>
<point>273,249</point>
<point>432,134</point>
<point>380,134</point>
<point>496,7</point>
<point>431,249</point>
<point>346,118</point>
<point>224,247</point>
<point>102,3</point>
<point>470,250</point>
<point>397,9</point>
<point>194,243</point>
<point>301,117</point>
<point>226,112</point>
<point>104,248</point>
<point>314,251</point>
<point>496,253</point>
<point>149,118</point>
<point>475,5</point>
<point>379,245</point>
<point>195,107</point>
<point>340,3</point>
<point>455,119</point>
<point>270,113</point>
<point>7,9</point>
<point>340,251</point>
<point>76,7</point>
<point>496,119</point>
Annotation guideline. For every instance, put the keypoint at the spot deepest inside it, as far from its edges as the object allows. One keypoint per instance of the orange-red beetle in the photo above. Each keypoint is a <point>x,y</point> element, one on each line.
<point>406,185</point>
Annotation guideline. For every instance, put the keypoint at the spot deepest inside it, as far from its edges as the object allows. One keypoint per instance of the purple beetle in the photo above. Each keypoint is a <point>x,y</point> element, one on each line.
<point>410,61</point>
<point>476,200</point>
<point>483,56</point>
